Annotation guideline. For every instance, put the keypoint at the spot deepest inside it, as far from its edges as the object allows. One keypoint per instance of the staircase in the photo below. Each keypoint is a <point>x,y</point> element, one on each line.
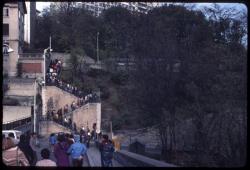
<point>46,127</point>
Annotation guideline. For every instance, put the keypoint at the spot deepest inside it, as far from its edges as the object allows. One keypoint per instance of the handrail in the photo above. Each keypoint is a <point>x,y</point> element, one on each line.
<point>91,100</point>
<point>141,160</point>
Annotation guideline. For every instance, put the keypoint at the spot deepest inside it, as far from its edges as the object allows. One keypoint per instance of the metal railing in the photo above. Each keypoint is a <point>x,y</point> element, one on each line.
<point>95,98</point>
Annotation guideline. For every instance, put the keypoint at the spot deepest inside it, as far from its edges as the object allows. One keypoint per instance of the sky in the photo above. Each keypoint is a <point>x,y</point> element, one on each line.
<point>41,5</point>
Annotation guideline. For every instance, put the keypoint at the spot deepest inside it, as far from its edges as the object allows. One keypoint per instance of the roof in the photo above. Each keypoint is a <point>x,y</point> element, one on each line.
<point>14,113</point>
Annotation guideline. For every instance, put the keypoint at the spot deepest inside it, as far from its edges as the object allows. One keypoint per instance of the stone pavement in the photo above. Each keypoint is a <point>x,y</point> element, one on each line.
<point>95,157</point>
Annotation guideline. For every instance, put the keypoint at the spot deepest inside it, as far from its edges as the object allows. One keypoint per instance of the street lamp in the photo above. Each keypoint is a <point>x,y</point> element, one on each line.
<point>35,107</point>
<point>44,57</point>
<point>97,47</point>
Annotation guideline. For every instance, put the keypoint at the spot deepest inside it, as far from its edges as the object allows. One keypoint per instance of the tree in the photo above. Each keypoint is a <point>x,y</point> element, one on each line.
<point>76,60</point>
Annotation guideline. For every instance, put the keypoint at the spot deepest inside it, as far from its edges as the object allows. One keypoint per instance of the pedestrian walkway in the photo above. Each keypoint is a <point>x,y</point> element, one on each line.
<point>44,143</point>
<point>95,157</point>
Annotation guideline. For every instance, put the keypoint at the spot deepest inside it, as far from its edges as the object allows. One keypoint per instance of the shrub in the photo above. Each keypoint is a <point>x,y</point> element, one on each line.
<point>104,92</point>
<point>96,72</point>
<point>119,78</point>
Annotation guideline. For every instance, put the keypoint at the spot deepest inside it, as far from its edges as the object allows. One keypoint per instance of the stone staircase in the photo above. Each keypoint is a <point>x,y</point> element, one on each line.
<point>47,127</point>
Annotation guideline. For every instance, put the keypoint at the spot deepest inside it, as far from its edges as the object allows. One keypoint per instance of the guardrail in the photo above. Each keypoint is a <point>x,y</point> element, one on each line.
<point>132,159</point>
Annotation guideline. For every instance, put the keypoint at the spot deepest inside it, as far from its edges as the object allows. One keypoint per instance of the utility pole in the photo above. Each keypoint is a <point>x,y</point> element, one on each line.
<point>111,130</point>
<point>49,43</point>
<point>97,47</point>
<point>35,108</point>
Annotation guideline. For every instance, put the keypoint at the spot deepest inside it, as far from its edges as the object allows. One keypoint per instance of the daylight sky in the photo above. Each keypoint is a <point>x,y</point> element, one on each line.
<point>41,5</point>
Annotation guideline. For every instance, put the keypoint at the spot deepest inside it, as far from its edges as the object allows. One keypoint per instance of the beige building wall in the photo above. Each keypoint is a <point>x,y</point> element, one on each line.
<point>59,97</point>
<point>29,26</point>
<point>21,89</point>
<point>14,113</point>
<point>87,116</point>
<point>48,127</point>
<point>16,34</point>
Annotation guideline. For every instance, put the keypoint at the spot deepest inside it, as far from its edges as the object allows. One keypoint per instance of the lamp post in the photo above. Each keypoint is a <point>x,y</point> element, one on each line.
<point>97,47</point>
<point>44,57</point>
<point>35,107</point>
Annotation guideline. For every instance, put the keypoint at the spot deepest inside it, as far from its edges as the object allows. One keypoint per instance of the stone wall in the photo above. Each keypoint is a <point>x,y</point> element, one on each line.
<point>21,88</point>
<point>14,113</point>
<point>22,100</point>
<point>147,136</point>
<point>133,160</point>
<point>87,115</point>
<point>58,97</point>
<point>32,66</point>
<point>48,127</point>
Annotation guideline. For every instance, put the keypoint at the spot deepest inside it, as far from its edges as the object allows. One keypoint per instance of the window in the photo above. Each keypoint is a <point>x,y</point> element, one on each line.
<point>5,29</point>
<point>5,12</point>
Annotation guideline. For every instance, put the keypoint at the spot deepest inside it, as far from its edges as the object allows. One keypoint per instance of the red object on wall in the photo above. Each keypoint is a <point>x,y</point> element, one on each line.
<point>32,67</point>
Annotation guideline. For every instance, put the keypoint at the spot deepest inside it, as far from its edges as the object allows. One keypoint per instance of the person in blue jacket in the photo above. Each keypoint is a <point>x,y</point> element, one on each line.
<point>77,150</point>
<point>52,141</point>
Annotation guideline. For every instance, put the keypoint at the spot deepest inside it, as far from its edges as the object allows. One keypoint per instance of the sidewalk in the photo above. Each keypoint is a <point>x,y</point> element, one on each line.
<point>95,157</point>
<point>44,143</point>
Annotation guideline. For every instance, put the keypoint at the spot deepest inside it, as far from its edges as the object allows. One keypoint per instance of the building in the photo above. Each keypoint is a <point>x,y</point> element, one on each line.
<point>29,24</point>
<point>97,7</point>
<point>13,34</point>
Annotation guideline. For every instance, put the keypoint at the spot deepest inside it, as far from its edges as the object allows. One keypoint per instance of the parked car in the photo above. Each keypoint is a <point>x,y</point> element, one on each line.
<point>16,133</point>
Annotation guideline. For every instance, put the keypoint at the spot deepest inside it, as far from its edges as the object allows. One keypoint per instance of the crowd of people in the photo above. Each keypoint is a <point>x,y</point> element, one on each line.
<point>53,71</point>
<point>53,78</point>
<point>68,149</point>
<point>61,116</point>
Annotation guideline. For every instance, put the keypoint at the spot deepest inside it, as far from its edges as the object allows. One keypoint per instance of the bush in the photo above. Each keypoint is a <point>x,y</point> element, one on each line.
<point>96,72</point>
<point>119,78</point>
<point>104,92</point>
<point>117,123</point>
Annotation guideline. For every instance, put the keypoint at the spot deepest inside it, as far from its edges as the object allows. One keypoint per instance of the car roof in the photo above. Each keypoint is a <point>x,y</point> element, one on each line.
<point>11,131</point>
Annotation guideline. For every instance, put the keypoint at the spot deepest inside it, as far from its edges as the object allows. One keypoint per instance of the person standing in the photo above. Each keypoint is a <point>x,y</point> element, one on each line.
<point>32,143</point>
<point>52,141</point>
<point>107,150</point>
<point>12,155</point>
<point>77,151</point>
<point>25,148</point>
<point>12,137</point>
<point>60,151</point>
<point>45,159</point>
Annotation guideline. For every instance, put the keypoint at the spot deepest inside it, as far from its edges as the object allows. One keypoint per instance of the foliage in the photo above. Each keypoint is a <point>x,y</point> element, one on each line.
<point>185,60</point>
<point>119,78</point>
<point>96,72</point>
